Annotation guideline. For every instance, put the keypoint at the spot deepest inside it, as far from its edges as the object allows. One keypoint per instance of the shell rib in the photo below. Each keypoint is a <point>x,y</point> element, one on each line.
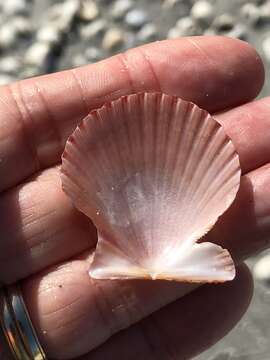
<point>154,173</point>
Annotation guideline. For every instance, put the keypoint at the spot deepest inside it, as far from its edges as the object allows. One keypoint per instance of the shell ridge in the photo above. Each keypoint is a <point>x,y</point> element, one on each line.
<point>100,167</point>
<point>181,108</point>
<point>192,118</point>
<point>186,134</point>
<point>188,164</point>
<point>128,204</point>
<point>171,108</point>
<point>213,195</point>
<point>71,157</point>
<point>211,155</point>
<point>184,113</point>
<point>179,153</point>
<point>132,133</point>
<point>158,127</point>
<point>215,180</point>
<point>146,137</point>
<point>200,169</point>
<point>113,138</point>
<point>187,141</point>
<point>141,150</point>
<point>201,147</point>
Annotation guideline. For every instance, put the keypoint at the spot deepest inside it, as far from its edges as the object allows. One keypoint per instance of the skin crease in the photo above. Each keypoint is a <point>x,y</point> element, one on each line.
<point>160,336</point>
<point>43,233</point>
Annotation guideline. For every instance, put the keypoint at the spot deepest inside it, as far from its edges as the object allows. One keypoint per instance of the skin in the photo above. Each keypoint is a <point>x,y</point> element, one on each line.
<point>47,245</point>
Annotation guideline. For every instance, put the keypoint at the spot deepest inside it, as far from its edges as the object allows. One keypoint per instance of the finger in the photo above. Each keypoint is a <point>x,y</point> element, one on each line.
<point>244,229</point>
<point>185,328</point>
<point>40,227</point>
<point>47,236</point>
<point>38,114</point>
<point>58,297</point>
<point>66,305</point>
<point>73,315</point>
<point>248,126</point>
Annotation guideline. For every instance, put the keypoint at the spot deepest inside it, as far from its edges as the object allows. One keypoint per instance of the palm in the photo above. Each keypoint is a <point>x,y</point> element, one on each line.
<point>46,242</point>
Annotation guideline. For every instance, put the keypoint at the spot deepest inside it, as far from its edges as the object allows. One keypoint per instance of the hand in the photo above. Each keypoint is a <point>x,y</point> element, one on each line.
<point>47,244</point>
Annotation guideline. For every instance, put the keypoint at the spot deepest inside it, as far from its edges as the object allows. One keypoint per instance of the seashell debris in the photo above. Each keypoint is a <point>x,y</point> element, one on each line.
<point>9,64</point>
<point>120,8</point>
<point>113,39</point>
<point>224,22</point>
<point>136,18</point>
<point>261,269</point>
<point>186,26</point>
<point>88,10</point>
<point>147,33</point>
<point>154,173</point>
<point>266,47</point>
<point>203,12</point>
<point>94,29</point>
<point>37,54</point>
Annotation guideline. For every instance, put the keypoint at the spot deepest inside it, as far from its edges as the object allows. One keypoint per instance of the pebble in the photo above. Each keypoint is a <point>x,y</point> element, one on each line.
<point>136,18</point>
<point>186,26</point>
<point>95,28</point>
<point>9,64</point>
<point>239,31</point>
<point>37,54</point>
<point>88,10</point>
<point>173,33</point>
<point>261,270</point>
<point>224,22</point>
<point>266,47</point>
<point>79,60</point>
<point>202,12</point>
<point>5,79</point>
<point>120,8</point>
<point>147,33</point>
<point>265,12</point>
<point>251,13</point>
<point>61,15</point>
<point>14,7</point>
<point>22,25</point>
<point>113,39</point>
<point>48,34</point>
<point>8,36</point>
<point>93,54</point>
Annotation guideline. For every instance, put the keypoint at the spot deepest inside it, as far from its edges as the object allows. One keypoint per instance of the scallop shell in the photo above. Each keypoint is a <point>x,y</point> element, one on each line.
<point>154,173</point>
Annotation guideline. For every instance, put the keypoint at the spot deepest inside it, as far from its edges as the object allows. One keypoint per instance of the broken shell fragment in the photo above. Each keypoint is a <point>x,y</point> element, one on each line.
<point>154,173</point>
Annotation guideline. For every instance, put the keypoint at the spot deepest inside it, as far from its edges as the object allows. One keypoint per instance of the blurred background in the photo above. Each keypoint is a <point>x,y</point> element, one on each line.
<point>42,36</point>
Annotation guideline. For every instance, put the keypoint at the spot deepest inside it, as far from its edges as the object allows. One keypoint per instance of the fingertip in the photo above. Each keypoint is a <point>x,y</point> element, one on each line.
<point>254,64</point>
<point>242,63</point>
<point>215,72</point>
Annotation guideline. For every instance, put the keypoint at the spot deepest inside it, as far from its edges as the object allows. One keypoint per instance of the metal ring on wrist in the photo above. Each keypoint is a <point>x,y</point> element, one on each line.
<point>17,326</point>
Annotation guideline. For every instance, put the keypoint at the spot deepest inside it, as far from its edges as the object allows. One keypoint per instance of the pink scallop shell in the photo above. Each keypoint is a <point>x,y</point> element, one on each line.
<point>154,173</point>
